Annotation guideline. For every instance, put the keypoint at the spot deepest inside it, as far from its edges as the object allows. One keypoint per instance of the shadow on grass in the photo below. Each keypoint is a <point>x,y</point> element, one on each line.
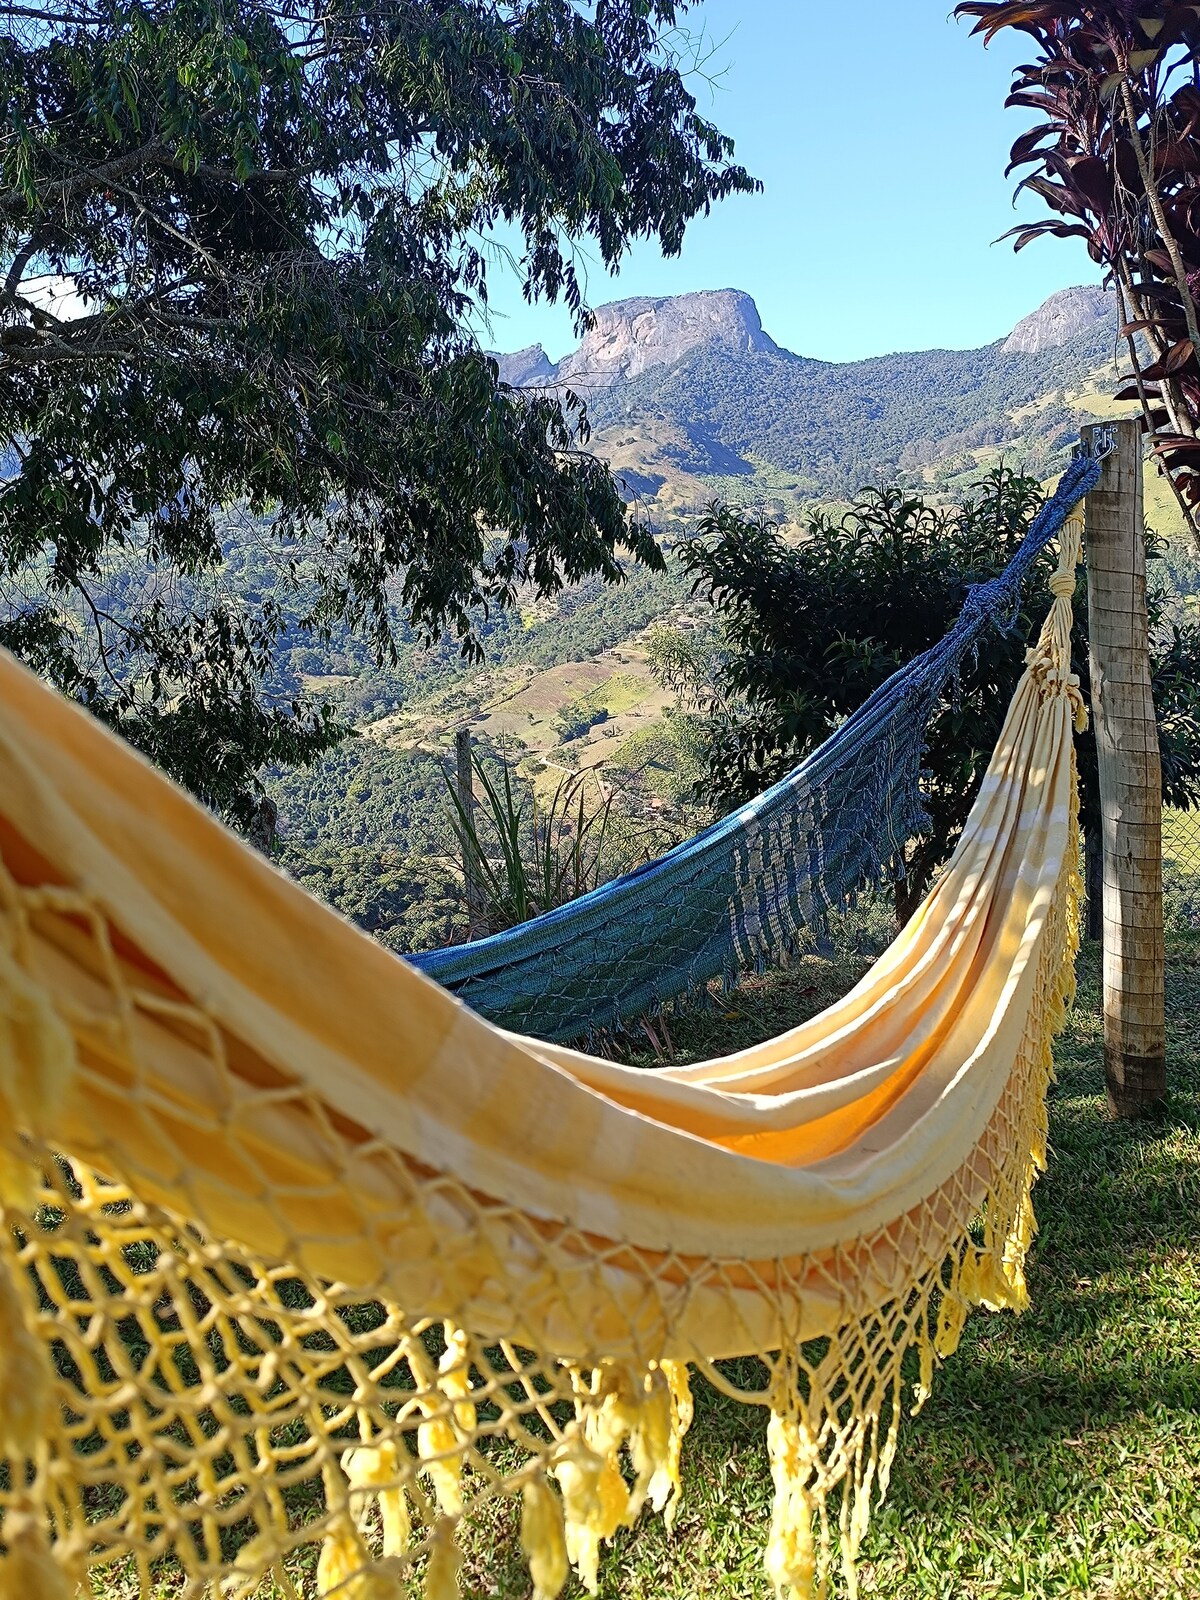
<point>1058,1454</point>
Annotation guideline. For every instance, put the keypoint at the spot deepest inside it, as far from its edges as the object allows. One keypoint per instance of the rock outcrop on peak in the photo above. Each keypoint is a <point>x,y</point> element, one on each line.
<point>529,366</point>
<point>1060,319</point>
<point>630,337</point>
<point>633,336</point>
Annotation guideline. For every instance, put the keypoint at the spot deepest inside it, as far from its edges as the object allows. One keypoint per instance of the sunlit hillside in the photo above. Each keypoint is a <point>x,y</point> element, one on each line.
<point>566,685</point>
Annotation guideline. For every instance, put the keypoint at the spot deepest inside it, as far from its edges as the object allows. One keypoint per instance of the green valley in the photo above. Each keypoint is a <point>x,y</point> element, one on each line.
<point>690,402</point>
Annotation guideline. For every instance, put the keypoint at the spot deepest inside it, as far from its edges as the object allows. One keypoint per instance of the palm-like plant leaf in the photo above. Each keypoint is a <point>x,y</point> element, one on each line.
<point>1115,153</point>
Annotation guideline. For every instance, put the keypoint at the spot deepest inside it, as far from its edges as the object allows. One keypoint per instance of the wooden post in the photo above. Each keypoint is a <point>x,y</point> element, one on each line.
<point>477,920</point>
<point>1130,779</point>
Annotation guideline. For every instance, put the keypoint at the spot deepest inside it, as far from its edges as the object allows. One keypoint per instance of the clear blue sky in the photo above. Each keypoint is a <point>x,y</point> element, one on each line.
<point>879,133</point>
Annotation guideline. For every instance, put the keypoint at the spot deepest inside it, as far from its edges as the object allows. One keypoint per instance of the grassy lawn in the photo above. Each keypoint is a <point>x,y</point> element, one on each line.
<point>1060,1453</point>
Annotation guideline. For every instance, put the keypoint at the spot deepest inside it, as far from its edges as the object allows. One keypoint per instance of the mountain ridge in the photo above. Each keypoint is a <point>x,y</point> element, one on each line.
<point>627,333</point>
<point>690,399</point>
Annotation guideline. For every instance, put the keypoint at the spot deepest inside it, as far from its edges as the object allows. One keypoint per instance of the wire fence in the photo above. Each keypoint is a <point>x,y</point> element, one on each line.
<point>1181,868</point>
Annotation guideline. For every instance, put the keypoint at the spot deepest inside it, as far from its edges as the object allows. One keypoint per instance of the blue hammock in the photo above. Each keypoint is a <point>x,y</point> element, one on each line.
<point>741,892</point>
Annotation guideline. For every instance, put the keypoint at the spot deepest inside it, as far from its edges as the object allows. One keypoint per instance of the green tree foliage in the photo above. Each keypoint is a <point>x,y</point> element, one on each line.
<point>367,829</point>
<point>241,244</point>
<point>407,902</point>
<point>812,627</point>
<point>578,717</point>
<point>364,795</point>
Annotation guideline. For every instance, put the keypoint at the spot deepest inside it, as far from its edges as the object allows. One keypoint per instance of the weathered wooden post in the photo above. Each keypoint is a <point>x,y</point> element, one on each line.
<point>1130,778</point>
<point>477,919</point>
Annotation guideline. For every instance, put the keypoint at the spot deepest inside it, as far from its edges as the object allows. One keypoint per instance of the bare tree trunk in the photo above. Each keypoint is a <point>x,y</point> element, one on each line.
<point>1130,783</point>
<point>909,892</point>
<point>477,918</point>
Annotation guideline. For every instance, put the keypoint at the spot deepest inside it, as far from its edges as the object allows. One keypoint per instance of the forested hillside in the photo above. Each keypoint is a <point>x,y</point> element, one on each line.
<point>830,429</point>
<point>690,401</point>
<point>690,398</point>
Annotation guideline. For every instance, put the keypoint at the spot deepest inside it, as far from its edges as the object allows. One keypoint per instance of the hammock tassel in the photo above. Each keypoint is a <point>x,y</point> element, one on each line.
<point>544,1539</point>
<point>664,1486</point>
<point>30,1568</point>
<point>441,1459</point>
<point>645,1412</point>
<point>445,1560</point>
<point>650,1446</point>
<point>375,1473</point>
<point>454,1377</point>
<point>923,1387</point>
<point>791,1556</point>
<point>442,1442</point>
<point>345,1568</point>
<point>590,1511</point>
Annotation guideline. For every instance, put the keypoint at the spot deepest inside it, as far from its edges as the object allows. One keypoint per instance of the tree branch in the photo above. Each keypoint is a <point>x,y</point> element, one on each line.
<point>20,261</point>
<point>16,201</point>
<point>1154,201</point>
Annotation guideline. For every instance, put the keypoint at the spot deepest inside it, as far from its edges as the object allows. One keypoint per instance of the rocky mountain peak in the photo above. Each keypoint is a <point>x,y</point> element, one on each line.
<point>631,336</point>
<point>1060,319</point>
<point>646,333</point>
<point>529,366</point>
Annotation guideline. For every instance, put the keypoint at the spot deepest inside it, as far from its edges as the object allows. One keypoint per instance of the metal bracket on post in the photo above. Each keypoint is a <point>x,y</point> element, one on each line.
<point>1099,442</point>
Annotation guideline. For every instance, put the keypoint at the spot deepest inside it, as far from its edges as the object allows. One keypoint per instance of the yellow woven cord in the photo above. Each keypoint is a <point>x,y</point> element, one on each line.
<point>306,1268</point>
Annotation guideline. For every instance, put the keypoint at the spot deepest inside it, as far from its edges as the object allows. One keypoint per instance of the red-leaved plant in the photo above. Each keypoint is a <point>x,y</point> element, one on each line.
<point>1116,157</point>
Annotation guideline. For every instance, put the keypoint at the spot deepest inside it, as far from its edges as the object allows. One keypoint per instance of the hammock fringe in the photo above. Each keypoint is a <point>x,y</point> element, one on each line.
<point>286,1304</point>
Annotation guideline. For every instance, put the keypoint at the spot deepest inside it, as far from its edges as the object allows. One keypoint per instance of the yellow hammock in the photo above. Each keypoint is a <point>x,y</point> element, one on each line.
<point>307,1269</point>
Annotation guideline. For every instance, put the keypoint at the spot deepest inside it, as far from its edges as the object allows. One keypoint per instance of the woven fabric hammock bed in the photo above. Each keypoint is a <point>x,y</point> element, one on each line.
<point>314,1280</point>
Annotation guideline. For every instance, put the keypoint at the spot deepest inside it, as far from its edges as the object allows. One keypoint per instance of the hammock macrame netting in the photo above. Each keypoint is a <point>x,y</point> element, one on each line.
<point>743,892</point>
<point>309,1272</point>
